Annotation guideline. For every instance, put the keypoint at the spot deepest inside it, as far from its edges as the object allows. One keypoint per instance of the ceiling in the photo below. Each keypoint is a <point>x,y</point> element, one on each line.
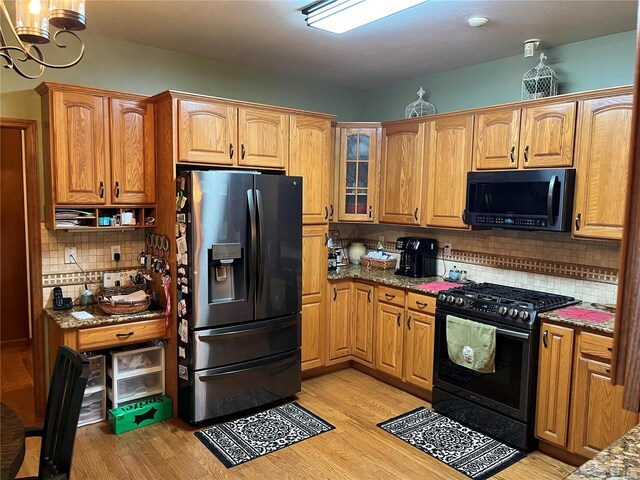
<point>428,38</point>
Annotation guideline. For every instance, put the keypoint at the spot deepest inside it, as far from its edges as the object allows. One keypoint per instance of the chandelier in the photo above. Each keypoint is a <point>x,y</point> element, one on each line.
<point>31,30</point>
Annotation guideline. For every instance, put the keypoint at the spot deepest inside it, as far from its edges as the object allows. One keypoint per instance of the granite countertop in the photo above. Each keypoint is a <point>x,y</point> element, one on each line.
<point>604,327</point>
<point>64,319</point>
<point>620,460</point>
<point>384,277</point>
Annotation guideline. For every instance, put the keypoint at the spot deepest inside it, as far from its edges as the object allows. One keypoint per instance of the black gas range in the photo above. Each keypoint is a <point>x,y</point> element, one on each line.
<point>502,403</point>
<point>510,306</point>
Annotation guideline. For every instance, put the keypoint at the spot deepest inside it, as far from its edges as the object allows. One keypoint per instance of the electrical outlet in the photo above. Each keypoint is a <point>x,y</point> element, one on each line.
<point>446,249</point>
<point>115,252</point>
<point>68,253</point>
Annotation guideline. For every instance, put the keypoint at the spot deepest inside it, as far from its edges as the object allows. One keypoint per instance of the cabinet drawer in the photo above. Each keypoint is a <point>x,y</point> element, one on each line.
<point>136,362</point>
<point>421,303</point>
<point>133,388</point>
<point>96,372</point>
<point>93,409</point>
<point>391,295</point>
<point>596,346</point>
<point>121,334</point>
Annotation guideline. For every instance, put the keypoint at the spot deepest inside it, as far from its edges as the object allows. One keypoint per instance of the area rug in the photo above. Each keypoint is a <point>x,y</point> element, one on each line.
<point>239,441</point>
<point>469,452</point>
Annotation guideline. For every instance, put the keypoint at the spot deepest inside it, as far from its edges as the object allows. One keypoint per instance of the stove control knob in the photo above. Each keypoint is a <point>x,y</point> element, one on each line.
<point>459,301</point>
<point>524,315</point>
<point>450,298</point>
<point>442,297</point>
<point>503,310</point>
<point>513,312</point>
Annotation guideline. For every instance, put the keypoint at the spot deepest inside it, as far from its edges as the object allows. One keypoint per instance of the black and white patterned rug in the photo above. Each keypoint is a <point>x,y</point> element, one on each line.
<point>471,453</point>
<point>241,440</point>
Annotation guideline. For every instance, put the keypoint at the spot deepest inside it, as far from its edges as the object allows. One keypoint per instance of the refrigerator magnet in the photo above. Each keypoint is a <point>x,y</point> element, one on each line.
<point>181,218</point>
<point>183,373</point>
<point>183,331</point>
<point>185,289</point>
<point>181,245</point>
<point>182,353</point>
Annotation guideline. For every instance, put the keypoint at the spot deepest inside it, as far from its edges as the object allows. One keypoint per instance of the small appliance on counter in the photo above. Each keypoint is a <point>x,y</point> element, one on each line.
<point>418,256</point>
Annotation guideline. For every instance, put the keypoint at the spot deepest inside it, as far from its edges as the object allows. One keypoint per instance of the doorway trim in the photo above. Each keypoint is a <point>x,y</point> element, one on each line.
<point>31,181</point>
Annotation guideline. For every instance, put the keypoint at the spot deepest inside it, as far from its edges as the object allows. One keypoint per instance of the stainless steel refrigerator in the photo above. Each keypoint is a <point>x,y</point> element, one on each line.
<point>239,256</point>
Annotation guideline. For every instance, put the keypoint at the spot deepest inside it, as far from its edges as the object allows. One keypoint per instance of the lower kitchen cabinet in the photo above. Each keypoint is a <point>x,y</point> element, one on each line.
<point>554,384</point>
<point>340,320</point>
<point>362,322</point>
<point>418,352</point>
<point>389,339</point>
<point>313,335</point>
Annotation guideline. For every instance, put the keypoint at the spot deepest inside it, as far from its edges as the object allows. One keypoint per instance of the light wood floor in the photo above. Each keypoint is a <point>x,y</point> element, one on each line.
<point>350,400</point>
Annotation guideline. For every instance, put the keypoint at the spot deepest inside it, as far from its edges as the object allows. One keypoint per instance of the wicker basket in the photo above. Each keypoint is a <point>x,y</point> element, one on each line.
<point>366,261</point>
<point>111,307</point>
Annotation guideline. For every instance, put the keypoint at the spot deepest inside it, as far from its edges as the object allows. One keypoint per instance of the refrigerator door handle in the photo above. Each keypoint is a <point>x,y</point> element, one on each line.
<point>253,243</point>
<point>261,248</point>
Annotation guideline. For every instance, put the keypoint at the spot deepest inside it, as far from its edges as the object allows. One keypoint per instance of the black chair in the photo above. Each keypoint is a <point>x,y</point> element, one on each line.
<point>61,418</point>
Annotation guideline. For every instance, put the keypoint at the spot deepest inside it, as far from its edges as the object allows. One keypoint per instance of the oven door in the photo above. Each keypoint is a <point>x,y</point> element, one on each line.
<point>510,389</point>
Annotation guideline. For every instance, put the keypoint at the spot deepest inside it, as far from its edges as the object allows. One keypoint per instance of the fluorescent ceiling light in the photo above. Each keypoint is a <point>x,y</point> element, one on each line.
<point>339,16</point>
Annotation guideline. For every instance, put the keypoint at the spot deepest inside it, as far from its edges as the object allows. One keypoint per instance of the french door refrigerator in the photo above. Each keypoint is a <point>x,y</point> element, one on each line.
<point>239,256</point>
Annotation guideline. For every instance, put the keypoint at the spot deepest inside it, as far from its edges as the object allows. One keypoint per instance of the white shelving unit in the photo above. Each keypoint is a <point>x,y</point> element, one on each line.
<point>136,374</point>
<point>94,402</point>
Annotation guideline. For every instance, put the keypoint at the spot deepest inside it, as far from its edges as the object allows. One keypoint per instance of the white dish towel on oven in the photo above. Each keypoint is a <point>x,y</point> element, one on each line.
<point>471,344</point>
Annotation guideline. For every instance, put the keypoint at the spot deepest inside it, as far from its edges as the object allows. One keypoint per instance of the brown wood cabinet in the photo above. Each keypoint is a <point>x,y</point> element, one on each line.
<point>602,156</point>
<point>418,349</point>
<point>340,320</point>
<point>264,138</point>
<point>389,339</point>
<point>496,139</point>
<point>133,162</point>
<point>310,155</point>
<point>448,159</point>
<point>78,130</point>
<point>554,384</point>
<point>314,281</point>
<point>547,135</point>
<point>401,187</point>
<point>362,316</point>
<point>597,416</point>
<point>357,174</point>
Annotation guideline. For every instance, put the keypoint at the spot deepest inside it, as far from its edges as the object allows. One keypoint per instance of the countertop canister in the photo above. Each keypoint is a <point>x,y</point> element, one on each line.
<point>356,250</point>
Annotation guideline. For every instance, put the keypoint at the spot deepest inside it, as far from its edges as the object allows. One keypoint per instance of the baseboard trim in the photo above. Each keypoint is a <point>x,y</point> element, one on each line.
<point>561,454</point>
<point>20,342</point>
<point>318,371</point>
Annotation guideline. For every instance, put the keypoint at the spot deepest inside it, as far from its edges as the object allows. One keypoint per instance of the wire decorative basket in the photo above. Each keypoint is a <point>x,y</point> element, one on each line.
<point>112,307</point>
<point>385,264</point>
<point>539,82</point>
<point>420,107</point>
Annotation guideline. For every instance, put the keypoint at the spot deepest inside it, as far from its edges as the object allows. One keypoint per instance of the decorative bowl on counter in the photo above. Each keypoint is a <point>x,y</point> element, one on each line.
<point>384,264</point>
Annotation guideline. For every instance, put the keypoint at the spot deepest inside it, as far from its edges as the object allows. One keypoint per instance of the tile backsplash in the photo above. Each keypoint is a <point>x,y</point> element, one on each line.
<point>94,256</point>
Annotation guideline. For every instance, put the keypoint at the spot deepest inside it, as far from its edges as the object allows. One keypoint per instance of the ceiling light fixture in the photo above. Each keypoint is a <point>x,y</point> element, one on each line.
<point>478,21</point>
<point>339,16</point>
<point>31,30</point>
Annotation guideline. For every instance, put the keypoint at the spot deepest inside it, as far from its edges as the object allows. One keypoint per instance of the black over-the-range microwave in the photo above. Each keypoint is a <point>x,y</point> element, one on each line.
<point>521,199</point>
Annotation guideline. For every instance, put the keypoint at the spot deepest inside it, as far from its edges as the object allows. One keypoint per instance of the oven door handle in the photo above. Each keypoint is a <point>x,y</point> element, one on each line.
<point>509,333</point>
<point>552,189</point>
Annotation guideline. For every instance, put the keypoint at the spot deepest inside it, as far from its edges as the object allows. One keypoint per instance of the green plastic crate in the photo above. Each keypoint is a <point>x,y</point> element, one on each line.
<point>140,414</point>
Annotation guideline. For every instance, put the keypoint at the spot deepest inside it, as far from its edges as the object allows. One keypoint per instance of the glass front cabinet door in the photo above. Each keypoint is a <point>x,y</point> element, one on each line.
<point>358,168</point>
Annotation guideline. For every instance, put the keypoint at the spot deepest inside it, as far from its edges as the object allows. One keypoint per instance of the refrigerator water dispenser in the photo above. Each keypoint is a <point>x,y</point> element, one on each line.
<point>226,270</point>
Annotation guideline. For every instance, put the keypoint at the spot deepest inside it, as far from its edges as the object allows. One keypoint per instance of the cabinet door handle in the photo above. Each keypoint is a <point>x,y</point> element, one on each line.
<point>409,322</point>
<point>326,212</point>
<point>421,304</point>
<point>242,151</point>
<point>326,239</point>
<point>415,214</point>
<point>526,153</point>
<point>607,370</point>
<point>124,335</point>
<point>511,157</point>
<point>231,151</point>
<point>610,349</point>
<point>545,335</point>
<point>398,318</point>
<point>335,294</point>
<point>331,215</point>
<point>368,296</point>
<point>101,189</point>
<point>389,296</point>
<point>370,211</point>
<point>578,218</point>
<point>117,189</point>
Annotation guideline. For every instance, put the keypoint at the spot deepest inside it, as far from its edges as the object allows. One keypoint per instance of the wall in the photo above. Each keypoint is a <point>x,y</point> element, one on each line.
<point>588,65</point>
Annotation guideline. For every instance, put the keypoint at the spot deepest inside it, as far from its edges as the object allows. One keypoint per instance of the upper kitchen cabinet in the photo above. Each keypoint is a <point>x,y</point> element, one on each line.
<point>547,134</point>
<point>356,172</point>
<point>78,127</point>
<point>263,137</point>
<point>310,155</point>
<point>602,164</point>
<point>401,180</point>
<point>207,132</point>
<point>496,140</point>
<point>99,150</point>
<point>132,152</point>
<point>448,159</point>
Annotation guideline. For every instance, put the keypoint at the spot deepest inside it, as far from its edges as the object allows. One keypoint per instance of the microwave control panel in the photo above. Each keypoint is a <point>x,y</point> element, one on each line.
<point>516,221</point>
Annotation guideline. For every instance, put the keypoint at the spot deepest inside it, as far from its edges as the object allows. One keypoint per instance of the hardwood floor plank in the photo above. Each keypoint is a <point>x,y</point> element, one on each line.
<point>356,450</point>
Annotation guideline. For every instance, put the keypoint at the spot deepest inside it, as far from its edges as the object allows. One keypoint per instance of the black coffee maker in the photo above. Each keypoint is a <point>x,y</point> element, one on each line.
<point>418,257</point>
